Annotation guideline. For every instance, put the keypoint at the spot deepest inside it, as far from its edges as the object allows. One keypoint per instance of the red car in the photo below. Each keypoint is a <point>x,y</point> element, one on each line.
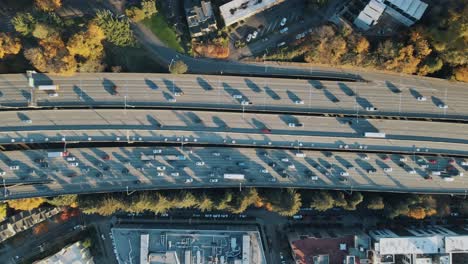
<point>433,161</point>
<point>266,131</point>
<point>385,158</point>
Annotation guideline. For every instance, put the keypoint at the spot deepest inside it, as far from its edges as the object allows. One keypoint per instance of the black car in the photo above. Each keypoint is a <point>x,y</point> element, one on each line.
<point>125,171</point>
<point>371,170</point>
<point>272,164</point>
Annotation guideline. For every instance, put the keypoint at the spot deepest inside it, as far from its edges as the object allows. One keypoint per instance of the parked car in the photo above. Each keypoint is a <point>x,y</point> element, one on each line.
<point>371,109</point>
<point>214,180</point>
<point>283,21</point>
<point>421,98</point>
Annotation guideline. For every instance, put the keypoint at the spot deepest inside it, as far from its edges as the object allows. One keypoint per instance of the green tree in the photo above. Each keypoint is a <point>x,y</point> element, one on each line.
<point>42,31</point>
<point>321,200</point>
<point>286,202</point>
<point>24,23</point>
<point>117,31</point>
<point>3,210</point>
<point>87,243</point>
<point>64,200</point>
<point>178,67</point>
<point>375,202</point>
<point>353,201</point>
<point>9,45</point>
<point>146,10</point>
<point>26,204</point>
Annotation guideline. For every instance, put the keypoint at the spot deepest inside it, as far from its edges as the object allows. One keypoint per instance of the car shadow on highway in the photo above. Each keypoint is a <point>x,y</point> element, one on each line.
<point>289,119</point>
<point>220,123</point>
<point>153,121</point>
<point>82,95</point>
<point>167,96</point>
<point>392,87</point>
<point>363,102</point>
<point>346,90</point>
<point>362,125</point>
<point>194,118</point>
<point>152,85</point>
<point>316,84</point>
<point>364,166</point>
<point>204,84</point>
<point>292,96</point>
<point>330,96</point>
<point>258,124</point>
<point>415,93</point>
<point>26,94</point>
<point>22,117</point>
<point>437,101</point>
<point>255,88</point>
<point>272,93</point>
<point>232,91</point>
<point>171,86</point>
<point>108,86</point>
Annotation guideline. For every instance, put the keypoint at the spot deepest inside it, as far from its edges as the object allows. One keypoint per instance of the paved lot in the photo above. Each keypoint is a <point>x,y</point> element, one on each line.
<point>390,98</point>
<point>127,171</point>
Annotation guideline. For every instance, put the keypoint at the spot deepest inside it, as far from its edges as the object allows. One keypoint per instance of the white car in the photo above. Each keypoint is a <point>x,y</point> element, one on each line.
<point>344,173</point>
<point>69,158</point>
<point>178,93</point>
<point>249,38</point>
<point>299,102</point>
<point>264,171</point>
<point>314,178</point>
<point>246,102</point>
<point>388,169</point>
<point>284,30</point>
<point>2,173</point>
<point>412,171</point>
<point>295,125</point>
<point>291,166</point>
<point>448,179</point>
<point>254,34</point>
<point>402,159</point>
<point>200,163</point>
<point>161,168</point>
<point>74,164</point>
<point>371,109</point>
<point>157,151</point>
<point>54,94</point>
<point>442,106</point>
<point>172,100</point>
<point>284,159</point>
<point>281,44</point>
<point>189,180</point>
<point>464,163</point>
<point>27,121</point>
<point>160,174</point>
<point>237,96</point>
<point>365,157</point>
<point>421,98</point>
<point>214,180</point>
<point>175,174</point>
<point>283,21</point>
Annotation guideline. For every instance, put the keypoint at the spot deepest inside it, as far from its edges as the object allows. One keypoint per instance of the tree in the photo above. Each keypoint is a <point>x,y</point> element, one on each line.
<point>87,48</point>
<point>286,202</point>
<point>9,45</point>
<point>42,31</point>
<point>362,45</point>
<point>87,243</point>
<point>321,201</point>
<point>41,228</point>
<point>24,23</point>
<point>461,73</point>
<point>3,210</point>
<point>64,200</point>
<point>146,10</point>
<point>48,5</point>
<point>375,202</point>
<point>26,204</point>
<point>52,56</point>
<point>353,201</point>
<point>117,31</point>
<point>178,67</point>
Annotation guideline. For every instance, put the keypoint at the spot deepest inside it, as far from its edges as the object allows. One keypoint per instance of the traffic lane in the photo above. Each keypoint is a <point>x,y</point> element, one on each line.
<point>328,169</point>
<point>135,90</point>
<point>231,123</point>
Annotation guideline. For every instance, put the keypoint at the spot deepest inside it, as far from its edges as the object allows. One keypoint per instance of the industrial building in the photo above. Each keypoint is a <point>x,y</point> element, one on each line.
<point>200,17</point>
<point>182,246</point>
<point>373,12</point>
<point>74,253</point>
<point>238,10</point>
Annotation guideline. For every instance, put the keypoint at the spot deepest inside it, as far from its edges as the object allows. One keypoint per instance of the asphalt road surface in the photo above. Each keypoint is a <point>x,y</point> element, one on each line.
<point>106,125</point>
<point>133,168</point>
<point>395,96</point>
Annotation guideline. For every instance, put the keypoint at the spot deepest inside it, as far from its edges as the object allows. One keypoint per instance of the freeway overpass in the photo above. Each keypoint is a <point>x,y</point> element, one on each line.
<point>206,114</point>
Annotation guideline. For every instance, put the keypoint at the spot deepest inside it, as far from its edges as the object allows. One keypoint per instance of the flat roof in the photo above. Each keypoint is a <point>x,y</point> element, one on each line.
<point>239,9</point>
<point>411,245</point>
<point>456,244</point>
<point>72,254</point>
<point>414,8</point>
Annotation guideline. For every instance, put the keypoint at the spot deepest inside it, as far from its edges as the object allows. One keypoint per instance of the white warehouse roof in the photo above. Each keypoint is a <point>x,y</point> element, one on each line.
<point>411,245</point>
<point>370,15</point>
<point>237,10</point>
<point>414,8</point>
<point>456,244</point>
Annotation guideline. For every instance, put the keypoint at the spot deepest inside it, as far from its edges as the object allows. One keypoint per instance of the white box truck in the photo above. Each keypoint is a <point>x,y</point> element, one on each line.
<point>51,90</point>
<point>234,176</point>
<point>57,154</point>
<point>374,135</point>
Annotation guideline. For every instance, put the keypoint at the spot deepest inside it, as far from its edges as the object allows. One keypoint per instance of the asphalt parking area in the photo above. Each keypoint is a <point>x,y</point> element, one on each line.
<point>269,21</point>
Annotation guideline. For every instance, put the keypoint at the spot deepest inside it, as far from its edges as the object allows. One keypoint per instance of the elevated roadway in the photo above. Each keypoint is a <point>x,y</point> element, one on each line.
<point>395,97</point>
<point>125,170</point>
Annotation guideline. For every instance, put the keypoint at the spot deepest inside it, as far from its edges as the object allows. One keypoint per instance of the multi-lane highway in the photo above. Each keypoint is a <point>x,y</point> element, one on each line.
<point>131,168</point>
<point>264,94</point>
<point>106,125</point>
<point>242,118</point>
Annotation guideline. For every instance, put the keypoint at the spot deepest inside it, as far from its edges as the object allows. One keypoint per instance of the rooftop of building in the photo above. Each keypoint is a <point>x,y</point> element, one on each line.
<point>73,254</point>
<point>324,250</point>
<point>238,9</point>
